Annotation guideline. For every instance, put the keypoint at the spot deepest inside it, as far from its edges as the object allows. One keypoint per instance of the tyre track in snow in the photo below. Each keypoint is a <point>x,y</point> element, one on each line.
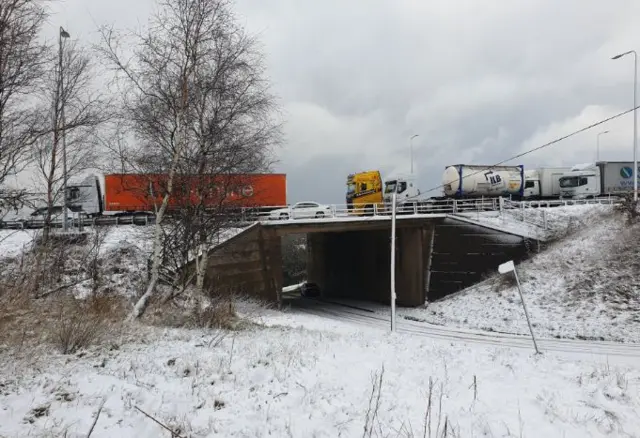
<point>362,316</point>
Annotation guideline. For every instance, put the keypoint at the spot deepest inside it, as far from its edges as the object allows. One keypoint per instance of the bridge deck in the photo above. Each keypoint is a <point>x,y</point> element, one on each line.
<point>359,223</point>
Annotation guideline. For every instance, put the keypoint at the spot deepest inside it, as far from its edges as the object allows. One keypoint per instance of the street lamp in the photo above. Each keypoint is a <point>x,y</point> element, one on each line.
<point>61,99</point>
<point>598,144</point>
<point>411,147</point>
<point>635,120</point>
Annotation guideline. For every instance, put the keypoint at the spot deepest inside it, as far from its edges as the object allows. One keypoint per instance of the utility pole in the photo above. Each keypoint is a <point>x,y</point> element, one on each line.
<point>61,99</point>
<point>411,148</point>
<point>635,120</point>
<point>598,145</point>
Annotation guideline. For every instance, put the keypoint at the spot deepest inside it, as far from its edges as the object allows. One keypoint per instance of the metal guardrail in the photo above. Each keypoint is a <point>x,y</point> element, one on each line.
<point>76,223</point>
<point>525,211</point>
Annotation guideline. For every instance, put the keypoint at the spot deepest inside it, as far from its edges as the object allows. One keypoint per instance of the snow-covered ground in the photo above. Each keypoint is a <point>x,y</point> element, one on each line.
<point>122,252</point>
<point>583,286</point>
<point>291,374</point>
<point>14,242</point>
<point>294,382</point>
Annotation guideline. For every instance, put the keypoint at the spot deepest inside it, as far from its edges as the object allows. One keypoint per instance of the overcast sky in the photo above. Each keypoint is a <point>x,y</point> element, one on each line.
<point>479,81</point>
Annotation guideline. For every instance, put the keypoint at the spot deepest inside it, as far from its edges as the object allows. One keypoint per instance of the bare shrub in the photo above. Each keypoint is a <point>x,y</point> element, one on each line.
<point>435,424</point>
<point>374,404</point>
<point>81,324</point>
<point>217,313</point>
<point>628,208</point>
<point>76,332</point>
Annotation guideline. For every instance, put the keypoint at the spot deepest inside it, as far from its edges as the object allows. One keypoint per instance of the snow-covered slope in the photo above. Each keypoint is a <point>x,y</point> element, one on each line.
<point>585,285</point>
<point>122,253</point>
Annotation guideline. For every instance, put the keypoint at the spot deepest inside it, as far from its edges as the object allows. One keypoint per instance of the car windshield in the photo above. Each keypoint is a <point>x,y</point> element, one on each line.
<point>351,188</point>
<point>569,181</point>
<point>390,187</point>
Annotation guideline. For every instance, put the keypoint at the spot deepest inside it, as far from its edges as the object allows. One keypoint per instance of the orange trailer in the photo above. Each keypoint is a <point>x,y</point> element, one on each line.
<point>141,192</point>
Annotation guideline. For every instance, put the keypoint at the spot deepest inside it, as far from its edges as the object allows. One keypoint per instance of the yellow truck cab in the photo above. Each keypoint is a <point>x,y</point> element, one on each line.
<point>364,190</point>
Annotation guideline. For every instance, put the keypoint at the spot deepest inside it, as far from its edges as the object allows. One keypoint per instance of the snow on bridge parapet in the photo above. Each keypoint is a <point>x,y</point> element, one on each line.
<point>502,222</point>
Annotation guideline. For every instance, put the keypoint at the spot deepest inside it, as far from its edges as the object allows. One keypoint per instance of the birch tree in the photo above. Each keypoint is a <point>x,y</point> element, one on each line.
<point>178,89</point>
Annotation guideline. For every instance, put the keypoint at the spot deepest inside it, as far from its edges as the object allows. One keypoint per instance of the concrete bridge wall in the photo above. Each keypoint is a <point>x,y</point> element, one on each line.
<point>433,258</point>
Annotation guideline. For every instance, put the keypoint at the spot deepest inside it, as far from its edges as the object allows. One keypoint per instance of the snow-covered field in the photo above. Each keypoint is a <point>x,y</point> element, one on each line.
<point>291,374</point>
<point>287,382</point>
<point>584,286</point>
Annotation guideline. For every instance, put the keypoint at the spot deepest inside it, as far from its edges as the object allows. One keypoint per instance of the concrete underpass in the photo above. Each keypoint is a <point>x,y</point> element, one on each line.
<point>435,256</point>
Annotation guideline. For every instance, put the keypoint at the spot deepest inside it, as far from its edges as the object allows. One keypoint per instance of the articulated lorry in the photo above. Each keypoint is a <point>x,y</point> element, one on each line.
<point>603,178</point>
<point>125,194</point>
<point>364,191</point>
<point>544,182</point>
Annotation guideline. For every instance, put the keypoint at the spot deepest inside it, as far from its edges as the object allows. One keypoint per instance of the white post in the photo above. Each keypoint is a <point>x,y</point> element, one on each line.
<point>635,119</point>
<point>509,267</point>
<point>635,128</point>
<point>393,263</point>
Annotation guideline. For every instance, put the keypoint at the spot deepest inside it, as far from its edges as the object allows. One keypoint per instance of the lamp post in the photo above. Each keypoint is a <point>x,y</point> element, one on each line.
<point>635,120</point>
<point>411,147</point>
<point>61,100</point>
<point>393,258</point>
<point>598,144</point>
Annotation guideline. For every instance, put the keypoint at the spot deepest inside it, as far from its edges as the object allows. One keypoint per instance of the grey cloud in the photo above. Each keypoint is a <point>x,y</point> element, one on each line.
<point>476,80</point>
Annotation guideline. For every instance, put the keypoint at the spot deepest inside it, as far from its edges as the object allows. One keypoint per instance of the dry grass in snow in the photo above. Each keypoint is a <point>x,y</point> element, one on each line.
<point>585,285</point>
<point>288,382</point>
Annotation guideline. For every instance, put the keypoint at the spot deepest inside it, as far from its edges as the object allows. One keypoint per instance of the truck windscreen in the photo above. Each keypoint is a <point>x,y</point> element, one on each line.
<point>573,181</point>
<point>390,187</point>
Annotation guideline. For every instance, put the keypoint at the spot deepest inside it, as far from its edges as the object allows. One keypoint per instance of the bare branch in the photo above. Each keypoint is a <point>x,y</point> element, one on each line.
<point>23,60</point>
<point>195,99</point>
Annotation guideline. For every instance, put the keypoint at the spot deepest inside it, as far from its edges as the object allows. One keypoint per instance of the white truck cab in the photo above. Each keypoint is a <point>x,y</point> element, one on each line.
<point>582,182</point>
<point>404,186</point>
<point>531,184</point>
<point>85,196</point>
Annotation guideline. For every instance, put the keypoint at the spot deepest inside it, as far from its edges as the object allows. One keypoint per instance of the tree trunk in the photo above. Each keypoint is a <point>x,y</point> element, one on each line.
<point>143,302</point>
<point>201,267</point>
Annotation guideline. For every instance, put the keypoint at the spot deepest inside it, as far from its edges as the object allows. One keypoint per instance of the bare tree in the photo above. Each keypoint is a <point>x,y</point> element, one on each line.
<point>70,124</point>
<point>198,106</point>
<point>23,60</point>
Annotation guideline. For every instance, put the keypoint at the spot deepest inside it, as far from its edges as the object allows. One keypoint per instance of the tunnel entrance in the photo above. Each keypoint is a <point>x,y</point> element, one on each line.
<point>356,264</point>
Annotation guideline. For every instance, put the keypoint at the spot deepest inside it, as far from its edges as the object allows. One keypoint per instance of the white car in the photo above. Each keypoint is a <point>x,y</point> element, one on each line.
<point>302,210</point>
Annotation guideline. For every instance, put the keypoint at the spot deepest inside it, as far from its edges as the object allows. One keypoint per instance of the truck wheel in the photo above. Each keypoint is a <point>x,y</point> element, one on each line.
<point>368,210</point>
